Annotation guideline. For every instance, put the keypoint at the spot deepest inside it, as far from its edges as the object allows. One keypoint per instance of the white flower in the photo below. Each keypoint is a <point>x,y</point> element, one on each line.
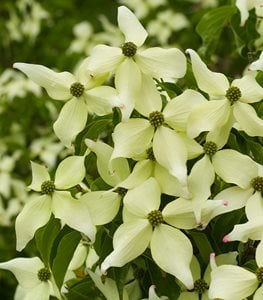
<point>130,61</point>
<point>258,64</point>
<point>54,199</point>
<point>35,280</point>
<point>81,92</point>
<point>229,103</point>
<point>245,6</point>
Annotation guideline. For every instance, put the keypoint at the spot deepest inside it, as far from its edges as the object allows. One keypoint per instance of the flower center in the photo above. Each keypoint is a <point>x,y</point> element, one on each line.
<point>155,218</point>
<point>200,286</point>
<point>233,94</point>
<point>121,191</point>
<point>129,49</point>
<point>156,118</point>
<point>48,187</point>
<point>76,89</point>
<point>150,154</point>
<point>44,274</point>
<point>257,183</point>
<point>210,148</point>
<point>259,274</point>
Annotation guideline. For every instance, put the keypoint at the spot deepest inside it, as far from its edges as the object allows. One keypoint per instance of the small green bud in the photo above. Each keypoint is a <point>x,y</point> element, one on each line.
<point>257,183</point>
<point>200,286</point>
<point>48,187</point>
<point>259,274</point>
<point>155,218</point>
<point>233,94</point>
<point>77,89</point>
<point>156,118</point>
<point>210,148</point>
<point>44,274</point>
<point>129,49</point>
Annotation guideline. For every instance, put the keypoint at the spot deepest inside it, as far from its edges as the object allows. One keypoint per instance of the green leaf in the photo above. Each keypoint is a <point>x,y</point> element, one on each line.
<point>203,245</point>
<point>211,25</point>
<point>65,251</point>
<point>45,237</point>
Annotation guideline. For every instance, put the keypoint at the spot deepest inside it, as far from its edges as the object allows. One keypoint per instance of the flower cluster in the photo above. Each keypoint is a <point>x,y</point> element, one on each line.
<point>158,171</point>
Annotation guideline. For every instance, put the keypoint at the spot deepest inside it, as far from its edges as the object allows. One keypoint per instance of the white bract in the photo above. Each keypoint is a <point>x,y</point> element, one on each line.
<point>54,199</point>
<point>245,6</point>
<point>258,64</point>
<point>82,93</point>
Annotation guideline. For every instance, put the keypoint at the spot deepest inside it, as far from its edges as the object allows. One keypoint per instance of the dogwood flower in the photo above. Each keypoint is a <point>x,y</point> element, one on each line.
<point>258,64</point>
<point>229,103</point>
<point>146,226</point>
<point>34,278</point>
<point>129,61</point>
<point>82,93</point>
<point>231,282</point>
<point>54,199</point>
<point>245,6</point>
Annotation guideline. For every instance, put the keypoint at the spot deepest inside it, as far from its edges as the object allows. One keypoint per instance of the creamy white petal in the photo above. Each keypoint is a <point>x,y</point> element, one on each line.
<point>259,254</point>
<point>34,215</point>
<point>232,283</point>
<point>149,98</point>
<point>129,241</point>
<point>193,148</point>
<point>40,292</point>
<point>103,206</point>
<point>104,59</point>
<point>213,83</point>
<point>56,84</point>
<point>258,64</point>
<point>73,212</point>
<point>177,111</point>
<point>39,175</point>
<point>70,172</point>
<point>172,251</point>
<point>25,270</point>
<point>100,100</point>
<point>259,293</point>
<point>235,167</point>
<point>208,116</point>
<point>170,152</point>
<point>150,192</point>
<point>254,206</point>
<point>79,257</point>
<point>251,91</point>
<point>131,27</point>
<point>132,138</point>
<point>128,89</point>
<point>120,166</point>
<point>248,119</point>
<point>244,7</point>
<point>162,63</point>
<point>71,121</point>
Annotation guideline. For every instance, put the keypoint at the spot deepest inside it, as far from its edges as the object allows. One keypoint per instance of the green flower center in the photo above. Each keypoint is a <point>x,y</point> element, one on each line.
<point>121,191</point>
<point>129,49</point>
<point>150,154</point>
<point>259,274</point>
<point>48,187</point>
<point>257,183</point>
<point>156,118</point>
<point>233,94</point>
<point>77,89</point>
<point>200,286</point>
<point>155,218</point>
<point>44,274</point>
<point>210,148</point>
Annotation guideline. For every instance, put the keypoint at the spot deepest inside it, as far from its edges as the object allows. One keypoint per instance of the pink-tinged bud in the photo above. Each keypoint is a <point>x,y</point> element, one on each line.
<point>226,239</point>
<point>212,256</point>
<point>225,202</point>
<point>213,260</point>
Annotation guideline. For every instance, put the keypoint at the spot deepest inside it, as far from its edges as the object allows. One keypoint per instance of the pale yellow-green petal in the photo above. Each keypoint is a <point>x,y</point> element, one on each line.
<point>254,206</point>
<point>258,294</point>
<point>41,291</point>
<point>39,175</point>
<point>259,254</point>
<point>188,296</point>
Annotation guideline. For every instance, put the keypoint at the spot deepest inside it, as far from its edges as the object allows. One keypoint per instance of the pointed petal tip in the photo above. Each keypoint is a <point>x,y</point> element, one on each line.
<point>225,203</point>
<point>89,143</point>
<point>226,239</point>
<point>212,256</point>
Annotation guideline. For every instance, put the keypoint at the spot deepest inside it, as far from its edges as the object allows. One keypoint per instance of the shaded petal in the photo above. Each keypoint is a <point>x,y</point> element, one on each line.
<point>128,89</point>
<point>248,119</point>
<point>208,116</point>
<point>193,148</point>
<point>71,121</point>
<point>103,206</point>
<point>259,254</point>
<point>39,175</point>
<point>170,152</point>
<point>149,99</point>
<point>74,213</point>
<point>100,100</point>
<point>258,64</point>
<point>131,27</point>
<point>232,282</point>
<point>259,294</point>
<point>188,296</point>
<point>251,91</point>
<point>56,84</point>
<point>120,166</point>
<point>162,63</point>
<point>132,138</point>
<point>129,241</point>
<point>25,270</point>
<point>150,192</point>
<point>213,83</point>
<point>177,111</point>
<point>172,251</point>
<point>234,167</point>
<point>254,206</point>
<point>70,172</point>
<point>104,59</point>
<point>34,215</point>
